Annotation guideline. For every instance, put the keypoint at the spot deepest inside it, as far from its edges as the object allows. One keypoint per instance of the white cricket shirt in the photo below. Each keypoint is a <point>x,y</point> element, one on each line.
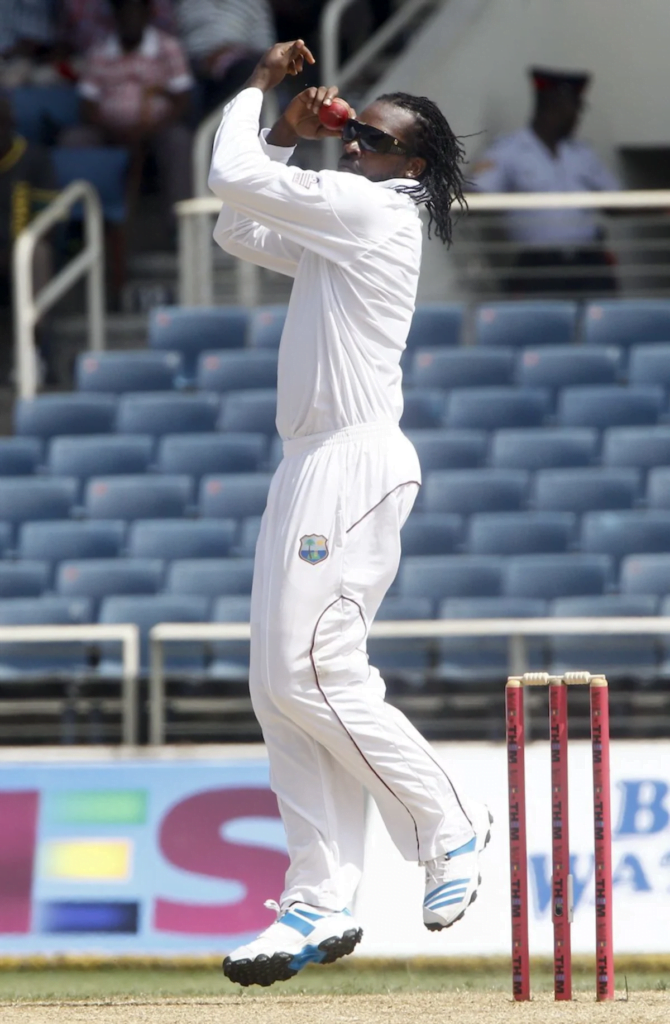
<point>354,249</point>
<point>521,162</point>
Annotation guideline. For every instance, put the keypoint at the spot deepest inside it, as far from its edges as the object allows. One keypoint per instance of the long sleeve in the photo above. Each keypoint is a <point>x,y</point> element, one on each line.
<point>338,216</point>
<point>248,240</point>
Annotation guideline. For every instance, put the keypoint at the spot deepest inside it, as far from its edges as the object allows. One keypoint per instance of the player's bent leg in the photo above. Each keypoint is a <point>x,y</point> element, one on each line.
<point>453,878</point>
<point>301,935</point>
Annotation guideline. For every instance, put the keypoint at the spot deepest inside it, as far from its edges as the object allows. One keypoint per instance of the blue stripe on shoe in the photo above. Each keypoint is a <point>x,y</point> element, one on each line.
<point>445,903</point>
<point>467,848</point>
<point>293,921</point>
<point>452,892</point>
<point>443,888</point>
<point>307,914</point>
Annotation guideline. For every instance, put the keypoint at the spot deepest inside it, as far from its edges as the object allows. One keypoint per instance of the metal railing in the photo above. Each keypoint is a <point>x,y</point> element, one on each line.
<point>127,635</point>
<point>473,254</point>
<point>516,630</point>
<point>343,75</point>
<point>28,307</point>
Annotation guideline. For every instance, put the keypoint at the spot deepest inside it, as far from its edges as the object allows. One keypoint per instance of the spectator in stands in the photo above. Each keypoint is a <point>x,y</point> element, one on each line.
<point>224,40</point>
<point>87,23</point>
<point>136,88</point>
<point>544,157</point>
<point>26,184</point>
<point>27,39</point>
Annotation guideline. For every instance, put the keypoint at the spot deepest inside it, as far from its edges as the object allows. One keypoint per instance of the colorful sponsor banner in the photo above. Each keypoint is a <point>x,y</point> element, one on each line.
<point>161,856</point>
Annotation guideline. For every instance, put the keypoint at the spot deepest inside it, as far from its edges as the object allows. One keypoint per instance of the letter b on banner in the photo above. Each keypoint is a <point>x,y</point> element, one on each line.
<point>190,838</point>
<point>643,808</point>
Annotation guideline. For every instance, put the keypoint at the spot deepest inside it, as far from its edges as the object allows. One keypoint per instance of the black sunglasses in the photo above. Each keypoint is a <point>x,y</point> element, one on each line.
<point>373,140</point>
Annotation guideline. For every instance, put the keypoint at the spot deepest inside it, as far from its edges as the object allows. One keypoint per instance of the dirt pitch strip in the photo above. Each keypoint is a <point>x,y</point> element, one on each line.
<point>405,1008</point>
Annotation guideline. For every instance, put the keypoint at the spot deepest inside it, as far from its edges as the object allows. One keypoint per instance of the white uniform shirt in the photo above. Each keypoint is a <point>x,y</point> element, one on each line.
<point>523,163</point>
<point>354,249</point>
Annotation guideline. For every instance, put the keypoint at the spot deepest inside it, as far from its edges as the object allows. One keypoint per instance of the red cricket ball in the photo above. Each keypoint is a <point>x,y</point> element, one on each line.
<point>334,115</point>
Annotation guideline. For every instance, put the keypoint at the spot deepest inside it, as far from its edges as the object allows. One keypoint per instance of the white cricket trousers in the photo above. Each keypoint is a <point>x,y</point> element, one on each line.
<point>330,735</point>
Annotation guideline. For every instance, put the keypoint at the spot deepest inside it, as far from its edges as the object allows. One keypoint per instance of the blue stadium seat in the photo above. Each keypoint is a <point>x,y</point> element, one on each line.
<point>585,489</point>
<point>449,449</point>
<point>401,661</point>
<point>48,415</point>
<point>60,540</point>
<point>42,111</point>
<point>192,330</point>
<point>544,448</point>
<point>645,574</point>
<point>626,321</point>
<point>519,533</point>
<point>146,611</point>
<point>253,411</point>
<point>422,410</point>
<point>650,364</point>
<point>118,372</point>
<point>494,408</point>
<point>249,531</point>
<point>440,576</point>
<point>550,576</point>
<point>625,533</point>
<point>644,447</point>
<point>99,455</point>
<point>6,538</point>
<point>104,167</point>
<point>29,660</point>
<point>108,577</point>
<point>266,324</point>
<point>432,533</point>
<point>210,577</point>
<point>230,658</point>
<point>200,454</point>
<point>19,456</point>
<point>23,499</point>
<point>615,655</point>
<point>465,491</point>
<point>665,643</point>
<point>138,497</point>
<point>234,496</point>
<point>554,367</point>
<point>159,414</point>
<point>238,370</point>
<point>23,579</point>
<point>462,367</point>
<point>486,659</point>
<point>658,487</point>
<point>604,406</point>
<point>525,323</point>
<point>436,324</point>
<point>181,538</point>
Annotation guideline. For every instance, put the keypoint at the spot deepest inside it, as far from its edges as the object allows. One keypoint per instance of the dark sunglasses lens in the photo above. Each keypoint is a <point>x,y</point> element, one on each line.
<point>371,139</point>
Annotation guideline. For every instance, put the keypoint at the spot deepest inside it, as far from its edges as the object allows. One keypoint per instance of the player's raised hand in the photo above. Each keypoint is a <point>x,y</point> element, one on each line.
<point>304,112</point>
<point>280,60</point>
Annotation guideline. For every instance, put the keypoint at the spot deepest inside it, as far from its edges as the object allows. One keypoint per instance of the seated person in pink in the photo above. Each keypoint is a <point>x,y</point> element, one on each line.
<point>136,88</point>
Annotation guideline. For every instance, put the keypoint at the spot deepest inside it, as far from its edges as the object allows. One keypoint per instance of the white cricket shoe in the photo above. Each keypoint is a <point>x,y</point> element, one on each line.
<point>452,879</point>
<point>300,935</point>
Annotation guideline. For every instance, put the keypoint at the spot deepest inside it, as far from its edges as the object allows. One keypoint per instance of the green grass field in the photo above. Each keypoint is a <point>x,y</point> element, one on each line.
<point>63,984</point>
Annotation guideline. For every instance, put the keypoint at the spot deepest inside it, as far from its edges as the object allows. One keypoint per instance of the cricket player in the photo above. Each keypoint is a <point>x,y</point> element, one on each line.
<point>329,545</point>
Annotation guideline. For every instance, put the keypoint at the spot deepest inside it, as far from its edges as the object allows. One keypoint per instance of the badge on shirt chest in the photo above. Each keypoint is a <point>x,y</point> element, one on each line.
<point>313,548</point>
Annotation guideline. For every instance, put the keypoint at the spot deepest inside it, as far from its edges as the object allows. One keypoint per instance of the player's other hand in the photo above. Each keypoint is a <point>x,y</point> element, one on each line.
<point>280,60</point>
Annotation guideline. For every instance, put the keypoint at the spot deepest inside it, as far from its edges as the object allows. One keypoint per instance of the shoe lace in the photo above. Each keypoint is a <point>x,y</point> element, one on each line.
<point>435,869</point>
<point>273,905</point>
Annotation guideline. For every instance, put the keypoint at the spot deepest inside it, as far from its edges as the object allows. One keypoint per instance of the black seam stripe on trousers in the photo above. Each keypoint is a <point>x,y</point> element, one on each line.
<point>405,483</point>
<point>332,709</point>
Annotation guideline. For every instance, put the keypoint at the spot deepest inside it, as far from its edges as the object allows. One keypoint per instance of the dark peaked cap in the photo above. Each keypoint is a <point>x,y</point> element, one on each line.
<point>546,80</point>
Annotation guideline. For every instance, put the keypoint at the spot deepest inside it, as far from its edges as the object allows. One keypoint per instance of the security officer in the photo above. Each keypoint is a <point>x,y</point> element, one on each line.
<point>544,157</point>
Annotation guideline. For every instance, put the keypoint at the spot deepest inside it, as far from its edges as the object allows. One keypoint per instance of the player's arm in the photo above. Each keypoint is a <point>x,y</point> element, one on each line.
<point>329,213</point>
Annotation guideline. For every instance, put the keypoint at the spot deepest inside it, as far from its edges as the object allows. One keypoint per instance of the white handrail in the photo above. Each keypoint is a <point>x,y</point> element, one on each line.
<point>515,629</point>
<point>28,307</point>
<point>195,256</point>
<point>127,634</point>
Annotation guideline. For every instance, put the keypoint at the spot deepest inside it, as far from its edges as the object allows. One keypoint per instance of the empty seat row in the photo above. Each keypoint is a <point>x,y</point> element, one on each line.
<point>153,413</point>
<point>145,371</point>
<point>519,324</point>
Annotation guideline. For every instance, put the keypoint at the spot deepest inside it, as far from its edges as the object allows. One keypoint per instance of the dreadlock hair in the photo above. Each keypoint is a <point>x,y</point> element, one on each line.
<point>443,181</point>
